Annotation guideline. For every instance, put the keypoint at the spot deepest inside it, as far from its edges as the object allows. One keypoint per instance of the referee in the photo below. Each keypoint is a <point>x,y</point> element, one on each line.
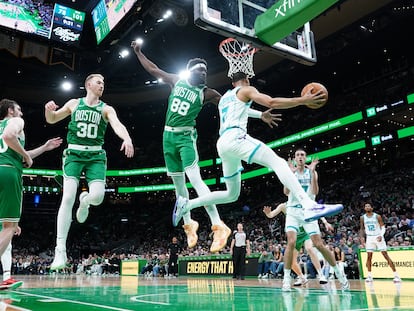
<point>240,245</point>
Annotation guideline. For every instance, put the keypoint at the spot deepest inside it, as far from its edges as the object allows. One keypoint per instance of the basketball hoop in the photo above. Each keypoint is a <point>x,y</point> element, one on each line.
<point>239,55</point>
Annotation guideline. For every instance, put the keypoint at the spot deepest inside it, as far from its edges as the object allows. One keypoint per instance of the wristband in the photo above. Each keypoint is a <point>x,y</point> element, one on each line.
<point>256,114</point>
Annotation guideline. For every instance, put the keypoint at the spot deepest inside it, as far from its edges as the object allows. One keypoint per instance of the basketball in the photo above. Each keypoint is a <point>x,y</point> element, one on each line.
<point>316,88</point>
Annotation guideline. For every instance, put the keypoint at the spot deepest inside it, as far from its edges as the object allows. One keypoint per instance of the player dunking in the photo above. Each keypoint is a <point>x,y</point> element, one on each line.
<point>373,227</point>
<point>84,153</point>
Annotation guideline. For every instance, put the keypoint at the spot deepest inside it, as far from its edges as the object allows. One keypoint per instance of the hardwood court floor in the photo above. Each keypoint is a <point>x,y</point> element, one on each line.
<point>127,293</point>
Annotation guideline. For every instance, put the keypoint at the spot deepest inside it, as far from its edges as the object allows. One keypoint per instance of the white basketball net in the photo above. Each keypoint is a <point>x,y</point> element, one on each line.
<point>239,55</point>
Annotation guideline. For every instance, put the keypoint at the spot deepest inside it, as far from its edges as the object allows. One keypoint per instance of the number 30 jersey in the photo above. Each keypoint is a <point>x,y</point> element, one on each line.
<point>184,104</point>
<point>87,125</point>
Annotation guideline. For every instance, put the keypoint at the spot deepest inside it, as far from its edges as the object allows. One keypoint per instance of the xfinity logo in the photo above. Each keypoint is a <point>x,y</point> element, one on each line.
<point>285,6</point>
<point>66,34</point>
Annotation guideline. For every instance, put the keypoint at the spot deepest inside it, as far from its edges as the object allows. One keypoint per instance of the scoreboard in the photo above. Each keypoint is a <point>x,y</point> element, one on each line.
<point>100,21</point>
<point>67,25</point>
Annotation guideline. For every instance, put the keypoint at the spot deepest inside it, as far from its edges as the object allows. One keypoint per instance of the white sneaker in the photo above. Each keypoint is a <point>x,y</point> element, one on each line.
<point>259,276</point>
<point>59,262</point>
<point>300,281</point>
<point>369,280</point>
<point>397,279</point>
<point>286,286</point>
<point>179,210</point>
<point>322,210</point>
<point>345,285</point>
<point>83,209</point>
<point>323,280</point>
<point>265,276</point>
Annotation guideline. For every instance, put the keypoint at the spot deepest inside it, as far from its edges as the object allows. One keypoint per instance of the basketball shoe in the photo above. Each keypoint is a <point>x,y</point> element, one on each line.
<point>191,232</point>
<point>300,281</point>
<point>10,284</point>
<point>322,279</point>
<point>286,284</point>
<point>220,235</point>
<point>396,279</point>
<point>179,210</point>
<point>59,262</point>
<point>321,210</point>
<point>83,209</point>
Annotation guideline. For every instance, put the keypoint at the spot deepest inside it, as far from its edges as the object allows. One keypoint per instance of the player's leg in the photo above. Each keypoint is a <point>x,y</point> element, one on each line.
<point>11,190</point>
<point>95,197</point>
<point>64,220</point>
<point>301,279</point>
<point>221,232</point>
<point>315,261</point>
<point>326,253</point>
<point>392,266</point>
<point>289,252</point>
<point>6,261</point>
<point>265,156</point>
<point>95,172</point>
<point>231,194</point>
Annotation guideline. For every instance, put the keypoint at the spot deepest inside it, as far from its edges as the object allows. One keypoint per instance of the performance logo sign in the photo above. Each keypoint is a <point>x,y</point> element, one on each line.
<point>67,25</point>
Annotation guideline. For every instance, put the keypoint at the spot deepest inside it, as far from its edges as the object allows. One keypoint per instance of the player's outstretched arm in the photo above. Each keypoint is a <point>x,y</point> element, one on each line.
<point>51,144</point>
<point>152,68</point>
<point>54,114</point>
<point>211,96</point>
<point>271,214</point>
<point>120,130</point>
<point>251,93</point>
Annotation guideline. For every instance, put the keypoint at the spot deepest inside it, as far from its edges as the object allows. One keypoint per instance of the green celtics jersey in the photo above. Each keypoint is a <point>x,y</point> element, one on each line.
<point>7,155</point>
<point>87,125</point>
<point>184,104</point>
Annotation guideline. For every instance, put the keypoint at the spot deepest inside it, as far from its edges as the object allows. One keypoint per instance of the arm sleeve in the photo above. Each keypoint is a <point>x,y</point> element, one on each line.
<point>256,114</point>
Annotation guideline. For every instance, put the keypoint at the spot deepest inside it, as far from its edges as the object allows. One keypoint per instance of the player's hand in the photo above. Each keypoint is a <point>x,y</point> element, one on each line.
<point>53,143</point>
<point>271,118</point>
<point>18,230</point>
<point>329,227</point>
<point>267,210</point>
<point>291,164</point>
<point>379,238</point>
<point>136,46</point>
<point>128,148</point>
<point>316,98</point>
<point>51,106</point>
<point>27,160</point>
<point>312,165</point>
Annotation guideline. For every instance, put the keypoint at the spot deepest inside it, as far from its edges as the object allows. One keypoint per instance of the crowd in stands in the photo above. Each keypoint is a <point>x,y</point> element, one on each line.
<point>99,247</point>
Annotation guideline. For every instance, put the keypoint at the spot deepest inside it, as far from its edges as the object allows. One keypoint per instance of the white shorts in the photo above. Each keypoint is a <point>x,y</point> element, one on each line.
<point>372,244</point>
<point>236,145</point>
<point>295,219</point>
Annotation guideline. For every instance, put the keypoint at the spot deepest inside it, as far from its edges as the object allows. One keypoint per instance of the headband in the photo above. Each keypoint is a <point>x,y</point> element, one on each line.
<point>197,66</point>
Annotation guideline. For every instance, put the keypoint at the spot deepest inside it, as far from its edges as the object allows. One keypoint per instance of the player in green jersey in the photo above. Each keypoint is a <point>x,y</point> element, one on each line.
<point>13,156</point>
<point>186,99</point>
<point>84,153</point>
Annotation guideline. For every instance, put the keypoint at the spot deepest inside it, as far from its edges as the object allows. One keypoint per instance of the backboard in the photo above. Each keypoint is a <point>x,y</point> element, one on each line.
<point>236,18</point>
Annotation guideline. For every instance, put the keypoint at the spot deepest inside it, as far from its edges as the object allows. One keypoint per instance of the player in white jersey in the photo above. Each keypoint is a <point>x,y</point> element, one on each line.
<point>295,219</point>
<point>372,226</point>
<point>235,145</point>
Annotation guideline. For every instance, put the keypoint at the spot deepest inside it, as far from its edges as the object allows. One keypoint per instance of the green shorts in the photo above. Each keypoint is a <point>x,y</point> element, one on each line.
<point>92,163</point>
<point>301,237</point>
<point>180,151</point>
<point>11,189</point>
